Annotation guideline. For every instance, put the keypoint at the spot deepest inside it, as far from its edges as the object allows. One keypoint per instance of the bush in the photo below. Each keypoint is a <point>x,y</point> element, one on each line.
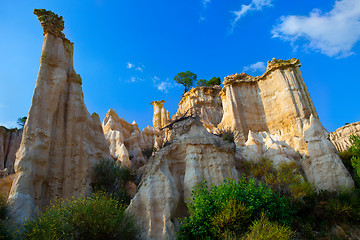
<point>111,178</point>
<point>263,229</point>
<point>201,83</point>
<point>229,208</point>
<point>213,81</point>
<point>5,225</point>
<point>96,217</point>
<point>227,135</point>
<point>355,160</point>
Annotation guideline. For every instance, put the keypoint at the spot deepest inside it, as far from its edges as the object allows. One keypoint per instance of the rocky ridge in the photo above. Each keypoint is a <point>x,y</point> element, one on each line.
<point>340,138</point>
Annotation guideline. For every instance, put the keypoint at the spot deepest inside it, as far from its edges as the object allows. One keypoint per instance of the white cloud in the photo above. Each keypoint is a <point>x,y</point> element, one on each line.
<point>134,79</point>
<point>139,69</point>
<point>162,86</point>
<point>205,2</point>
<point>255,5</point>
<point>333,33</point>
<point>256,67</point>
<point>130,65</point>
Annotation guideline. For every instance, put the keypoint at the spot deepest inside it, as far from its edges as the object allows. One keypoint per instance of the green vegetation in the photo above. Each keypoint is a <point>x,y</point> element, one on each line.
<point>95,217</point>
<point>186,79</point>
<point>5,226</point>
<point>263,229</point>
<point>21,121</point>
<point>355,160</point>
<point>227,135</point>
<point>111,178</point>
<point>229,208</point>
<point>212,82</point>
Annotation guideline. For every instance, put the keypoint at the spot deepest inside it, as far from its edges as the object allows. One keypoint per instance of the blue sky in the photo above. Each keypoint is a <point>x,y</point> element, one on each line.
<point>128,52</point>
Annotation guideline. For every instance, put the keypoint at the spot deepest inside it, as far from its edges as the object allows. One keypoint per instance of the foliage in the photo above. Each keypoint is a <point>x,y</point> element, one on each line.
<point>95,217</point>
<point>228,135</point>
<point>355,160</point>
<point>21,121</point>
<point>5,228</point>
<point>185,78</point>
<point>286,180</point>
<point>201,83</point>
<point>213,81</point>
<point>111,178</point>
<point>230,207</point>
<point>263,229</point>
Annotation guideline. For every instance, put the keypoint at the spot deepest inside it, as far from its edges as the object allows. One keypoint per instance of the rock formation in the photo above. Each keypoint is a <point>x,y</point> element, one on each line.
<point>61,142</point>
<point>340,138</point>
<point>118,132</point>
<point>161,116</point>
<point>203,102</point>
<point>324,169</point>
<point>192,155</point>
<point>10,140</point>
<point>277,102</point>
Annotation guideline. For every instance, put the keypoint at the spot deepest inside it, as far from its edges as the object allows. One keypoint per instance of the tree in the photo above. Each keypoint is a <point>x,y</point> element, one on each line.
<point>185,78</point>
<point>201,83</point>
<point>21,121</point>
<point>213,81</point>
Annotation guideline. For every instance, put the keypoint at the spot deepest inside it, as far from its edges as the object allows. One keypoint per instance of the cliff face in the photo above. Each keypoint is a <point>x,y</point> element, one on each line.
<point>191,155</point>
<point>203,102</point>
<point>61,142</point>
<point>126,140</point>
<point>10,140</point>
<point>340,138</point>
<point>276,102</point>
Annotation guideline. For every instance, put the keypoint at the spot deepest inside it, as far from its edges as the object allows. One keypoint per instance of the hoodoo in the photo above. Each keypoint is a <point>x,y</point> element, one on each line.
<point>61,142</point>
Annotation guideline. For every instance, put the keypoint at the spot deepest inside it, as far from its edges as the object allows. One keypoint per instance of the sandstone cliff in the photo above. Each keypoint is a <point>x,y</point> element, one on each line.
<point>203,102</point>
<point>61,142</point>
<point>191,155</point>
<point>118,132</point>
<point>10,140</point>
<point>340,138</point>
<point>277,102</point>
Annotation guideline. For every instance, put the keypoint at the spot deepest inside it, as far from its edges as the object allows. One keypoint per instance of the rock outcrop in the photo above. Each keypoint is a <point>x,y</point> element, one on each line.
<point>10,140</point>
<point>192,155</point>
<point>340,138</point>
<point>203,102</point>
<point>277,102</point>
<point>118,132</point>
<point>161,116</point>
<point>61,142</point>
<point>324,169</point>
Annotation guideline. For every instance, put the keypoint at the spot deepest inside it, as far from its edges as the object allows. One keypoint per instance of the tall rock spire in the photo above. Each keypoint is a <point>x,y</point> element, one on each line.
<point>61,142</point>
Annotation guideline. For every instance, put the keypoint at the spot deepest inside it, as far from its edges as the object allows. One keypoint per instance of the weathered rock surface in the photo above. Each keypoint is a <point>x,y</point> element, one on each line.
<point>5,185</point>
<point>324,169</point>
<point>118,132</point>
<point>61,142</point>
<point>161,116</point>
<point>277,102</point>
<point>192,155</point>
<point>203,102</point>
<point>10,140</point>
<point>340,138</point>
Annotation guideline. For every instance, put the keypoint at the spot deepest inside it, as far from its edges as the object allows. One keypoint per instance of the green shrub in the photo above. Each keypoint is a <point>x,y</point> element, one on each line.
<point>95,217</point>
<point>215,211</point>
<point>355,160</point>
<point>263,229</point>
<point>227,135</point>
<point>201,83</point>
<point>111,178</point>
<point>213,81</point>
<point>5,225</point>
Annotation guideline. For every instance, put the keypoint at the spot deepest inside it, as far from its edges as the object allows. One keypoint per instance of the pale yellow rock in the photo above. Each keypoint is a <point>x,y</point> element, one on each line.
<point>61,142</point>
<point>203,102</point>
<point>325,169</point>
<point>161,115</point>
<point>10,140</point>
<point>117,132</point>
<point>5,185</point>
<point>192,155</point>
<point>340,138</point>
<point>277,102</point>
<point>123,157</point>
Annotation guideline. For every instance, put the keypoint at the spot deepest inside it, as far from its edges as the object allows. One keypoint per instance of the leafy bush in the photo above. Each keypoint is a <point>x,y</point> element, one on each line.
<point>96,217</point>
<point>229,208</point>
<point>5,225</point>
<point>228,135</point>
<point>285,180</point>
<point>213,81</point>
<point>111,178</point>
<point>263,229</point>
<point>201,83</point>
<point>355,160</point>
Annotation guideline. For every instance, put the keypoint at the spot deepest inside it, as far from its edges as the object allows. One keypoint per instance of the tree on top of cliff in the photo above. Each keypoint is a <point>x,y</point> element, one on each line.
<point>186,78</point>
<point>213,81</point>
<point>21,121</point>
